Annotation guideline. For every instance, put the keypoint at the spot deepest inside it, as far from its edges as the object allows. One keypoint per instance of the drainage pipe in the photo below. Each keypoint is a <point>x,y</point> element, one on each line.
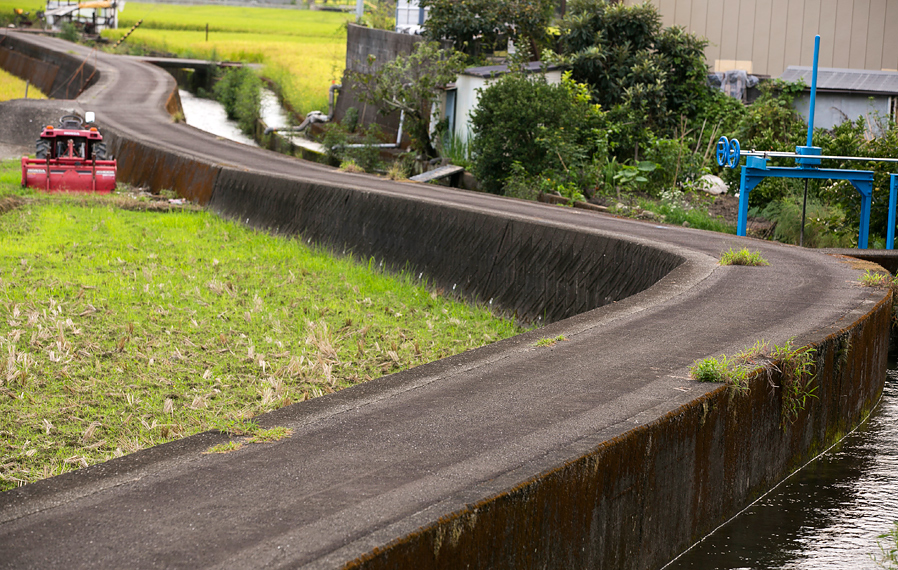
<point>382,145</point>
<point>313,116</point>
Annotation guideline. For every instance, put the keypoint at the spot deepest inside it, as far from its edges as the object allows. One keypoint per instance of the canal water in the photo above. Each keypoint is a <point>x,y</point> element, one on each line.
<point>209,115</point>
<point>827,515</point>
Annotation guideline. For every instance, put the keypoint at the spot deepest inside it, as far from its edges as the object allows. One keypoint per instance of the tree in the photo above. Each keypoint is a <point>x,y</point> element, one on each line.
<point>648,77</point>
<point>542,127</point>
<point>410,83</point>
<point>478,25</point>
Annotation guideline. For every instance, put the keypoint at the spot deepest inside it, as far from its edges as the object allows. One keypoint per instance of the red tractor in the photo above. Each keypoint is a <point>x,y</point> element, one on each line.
<point>70,158</point>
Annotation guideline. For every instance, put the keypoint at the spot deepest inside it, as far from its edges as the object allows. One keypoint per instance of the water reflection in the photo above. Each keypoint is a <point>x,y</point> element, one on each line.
<point>828,515</point>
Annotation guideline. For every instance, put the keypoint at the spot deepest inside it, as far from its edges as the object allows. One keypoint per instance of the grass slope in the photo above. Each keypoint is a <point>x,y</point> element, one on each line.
<point>122,329</point>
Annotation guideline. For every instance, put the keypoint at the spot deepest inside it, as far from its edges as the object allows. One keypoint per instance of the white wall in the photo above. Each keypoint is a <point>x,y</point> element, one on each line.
<point>467,97</point>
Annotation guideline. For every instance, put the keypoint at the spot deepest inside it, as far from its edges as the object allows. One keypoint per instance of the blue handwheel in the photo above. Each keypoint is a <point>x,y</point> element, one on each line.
<point>733,157</point>
<point>723,151</point>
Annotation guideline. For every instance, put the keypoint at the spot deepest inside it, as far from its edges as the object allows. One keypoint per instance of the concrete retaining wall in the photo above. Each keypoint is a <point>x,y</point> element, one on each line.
<point>636,501</point>
<point>536,272</point>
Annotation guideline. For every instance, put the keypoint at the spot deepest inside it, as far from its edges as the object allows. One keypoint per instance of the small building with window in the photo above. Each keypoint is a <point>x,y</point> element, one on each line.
<point>846,94</point>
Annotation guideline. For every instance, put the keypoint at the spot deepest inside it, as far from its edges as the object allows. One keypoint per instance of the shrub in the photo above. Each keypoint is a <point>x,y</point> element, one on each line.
<point>550,130</point>
<point>240,92</point>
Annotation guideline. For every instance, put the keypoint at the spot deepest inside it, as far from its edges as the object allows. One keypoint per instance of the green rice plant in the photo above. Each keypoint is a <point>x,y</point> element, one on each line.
<point>742,257</point>
<point>11,87</point>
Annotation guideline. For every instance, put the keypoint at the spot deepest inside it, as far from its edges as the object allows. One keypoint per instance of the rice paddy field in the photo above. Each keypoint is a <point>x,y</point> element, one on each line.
<point>11,87</point>
<point>302,51</point>
<point>127,321</point>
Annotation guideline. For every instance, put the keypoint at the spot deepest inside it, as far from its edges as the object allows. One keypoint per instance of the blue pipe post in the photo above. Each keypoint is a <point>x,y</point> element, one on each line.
<point>893,193</point>
<point>813,91</point>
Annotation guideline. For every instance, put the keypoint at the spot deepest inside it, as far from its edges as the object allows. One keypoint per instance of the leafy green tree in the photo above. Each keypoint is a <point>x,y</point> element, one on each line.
<point>478,25</point>
<point>647,76</point>
<point>545,128</point>
<point>410,83</point>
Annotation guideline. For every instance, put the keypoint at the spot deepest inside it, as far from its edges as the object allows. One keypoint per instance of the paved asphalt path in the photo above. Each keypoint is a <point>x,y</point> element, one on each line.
<point>372,463</point>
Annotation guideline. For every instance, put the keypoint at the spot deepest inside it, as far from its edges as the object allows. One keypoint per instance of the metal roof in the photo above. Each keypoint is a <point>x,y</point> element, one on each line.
<point>496,70</point>
<point>854,80</point>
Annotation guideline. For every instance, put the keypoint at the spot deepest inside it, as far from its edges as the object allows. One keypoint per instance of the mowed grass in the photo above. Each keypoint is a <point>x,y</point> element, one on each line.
<point>122,329</point>
<point>11,87</point>
<point>303,51</point>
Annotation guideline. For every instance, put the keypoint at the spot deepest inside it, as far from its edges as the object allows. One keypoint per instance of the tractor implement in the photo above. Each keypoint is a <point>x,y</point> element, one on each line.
<point>70,158</point>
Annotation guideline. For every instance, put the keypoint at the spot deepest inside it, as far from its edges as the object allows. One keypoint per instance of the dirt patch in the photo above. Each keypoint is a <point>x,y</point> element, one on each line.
<point>9,204</point>
<point>726,206</point>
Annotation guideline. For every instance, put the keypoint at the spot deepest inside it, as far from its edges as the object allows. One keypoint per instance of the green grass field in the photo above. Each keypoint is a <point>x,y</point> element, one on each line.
<point>125,328</point>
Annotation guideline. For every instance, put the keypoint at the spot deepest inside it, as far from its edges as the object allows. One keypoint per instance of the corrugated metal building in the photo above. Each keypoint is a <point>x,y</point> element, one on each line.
<point>764,37</point>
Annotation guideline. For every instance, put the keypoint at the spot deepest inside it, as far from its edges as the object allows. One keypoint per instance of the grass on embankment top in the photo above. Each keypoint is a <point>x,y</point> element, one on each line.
<point>11,87</point>
<point>124,329</point>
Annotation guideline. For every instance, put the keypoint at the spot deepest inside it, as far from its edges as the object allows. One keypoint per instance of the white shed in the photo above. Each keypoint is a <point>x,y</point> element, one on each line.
<point>462,98</point>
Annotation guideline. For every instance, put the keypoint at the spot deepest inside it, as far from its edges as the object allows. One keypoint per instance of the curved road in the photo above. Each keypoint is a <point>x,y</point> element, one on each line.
<point>373,463</point>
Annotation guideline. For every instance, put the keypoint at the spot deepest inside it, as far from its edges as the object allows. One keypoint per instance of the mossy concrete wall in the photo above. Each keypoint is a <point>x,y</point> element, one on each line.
<point>636,501</point>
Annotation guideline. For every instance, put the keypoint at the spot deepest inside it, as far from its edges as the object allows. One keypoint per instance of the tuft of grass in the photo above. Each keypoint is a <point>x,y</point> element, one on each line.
<point>124,329</point>
<point>550,341</point>
<point>270,435</point>
<point>793,365</point>
<point>877,279</point>
<point>742,257</point>
<point>225,447</point>
<point>796,368</point>
<point>723,370</point>
<point>349,165</point>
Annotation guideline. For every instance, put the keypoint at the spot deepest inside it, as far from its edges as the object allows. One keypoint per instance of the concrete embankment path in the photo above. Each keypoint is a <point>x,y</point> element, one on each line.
<point>598,451</point>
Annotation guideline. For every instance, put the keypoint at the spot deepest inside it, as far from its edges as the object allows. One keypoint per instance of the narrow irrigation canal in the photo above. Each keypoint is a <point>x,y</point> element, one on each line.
<point>826,516</point>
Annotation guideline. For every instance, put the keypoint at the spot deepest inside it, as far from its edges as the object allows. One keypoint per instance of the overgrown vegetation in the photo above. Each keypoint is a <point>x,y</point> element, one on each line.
<point>476,27</point>
<point>127,328</point>
<point>240,92</point>
<point>742,257</point>
<point>793,366</point>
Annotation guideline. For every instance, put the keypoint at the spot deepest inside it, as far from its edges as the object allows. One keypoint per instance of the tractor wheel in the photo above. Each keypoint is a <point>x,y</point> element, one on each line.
<point>100,151</point>
<point>42,149</point>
